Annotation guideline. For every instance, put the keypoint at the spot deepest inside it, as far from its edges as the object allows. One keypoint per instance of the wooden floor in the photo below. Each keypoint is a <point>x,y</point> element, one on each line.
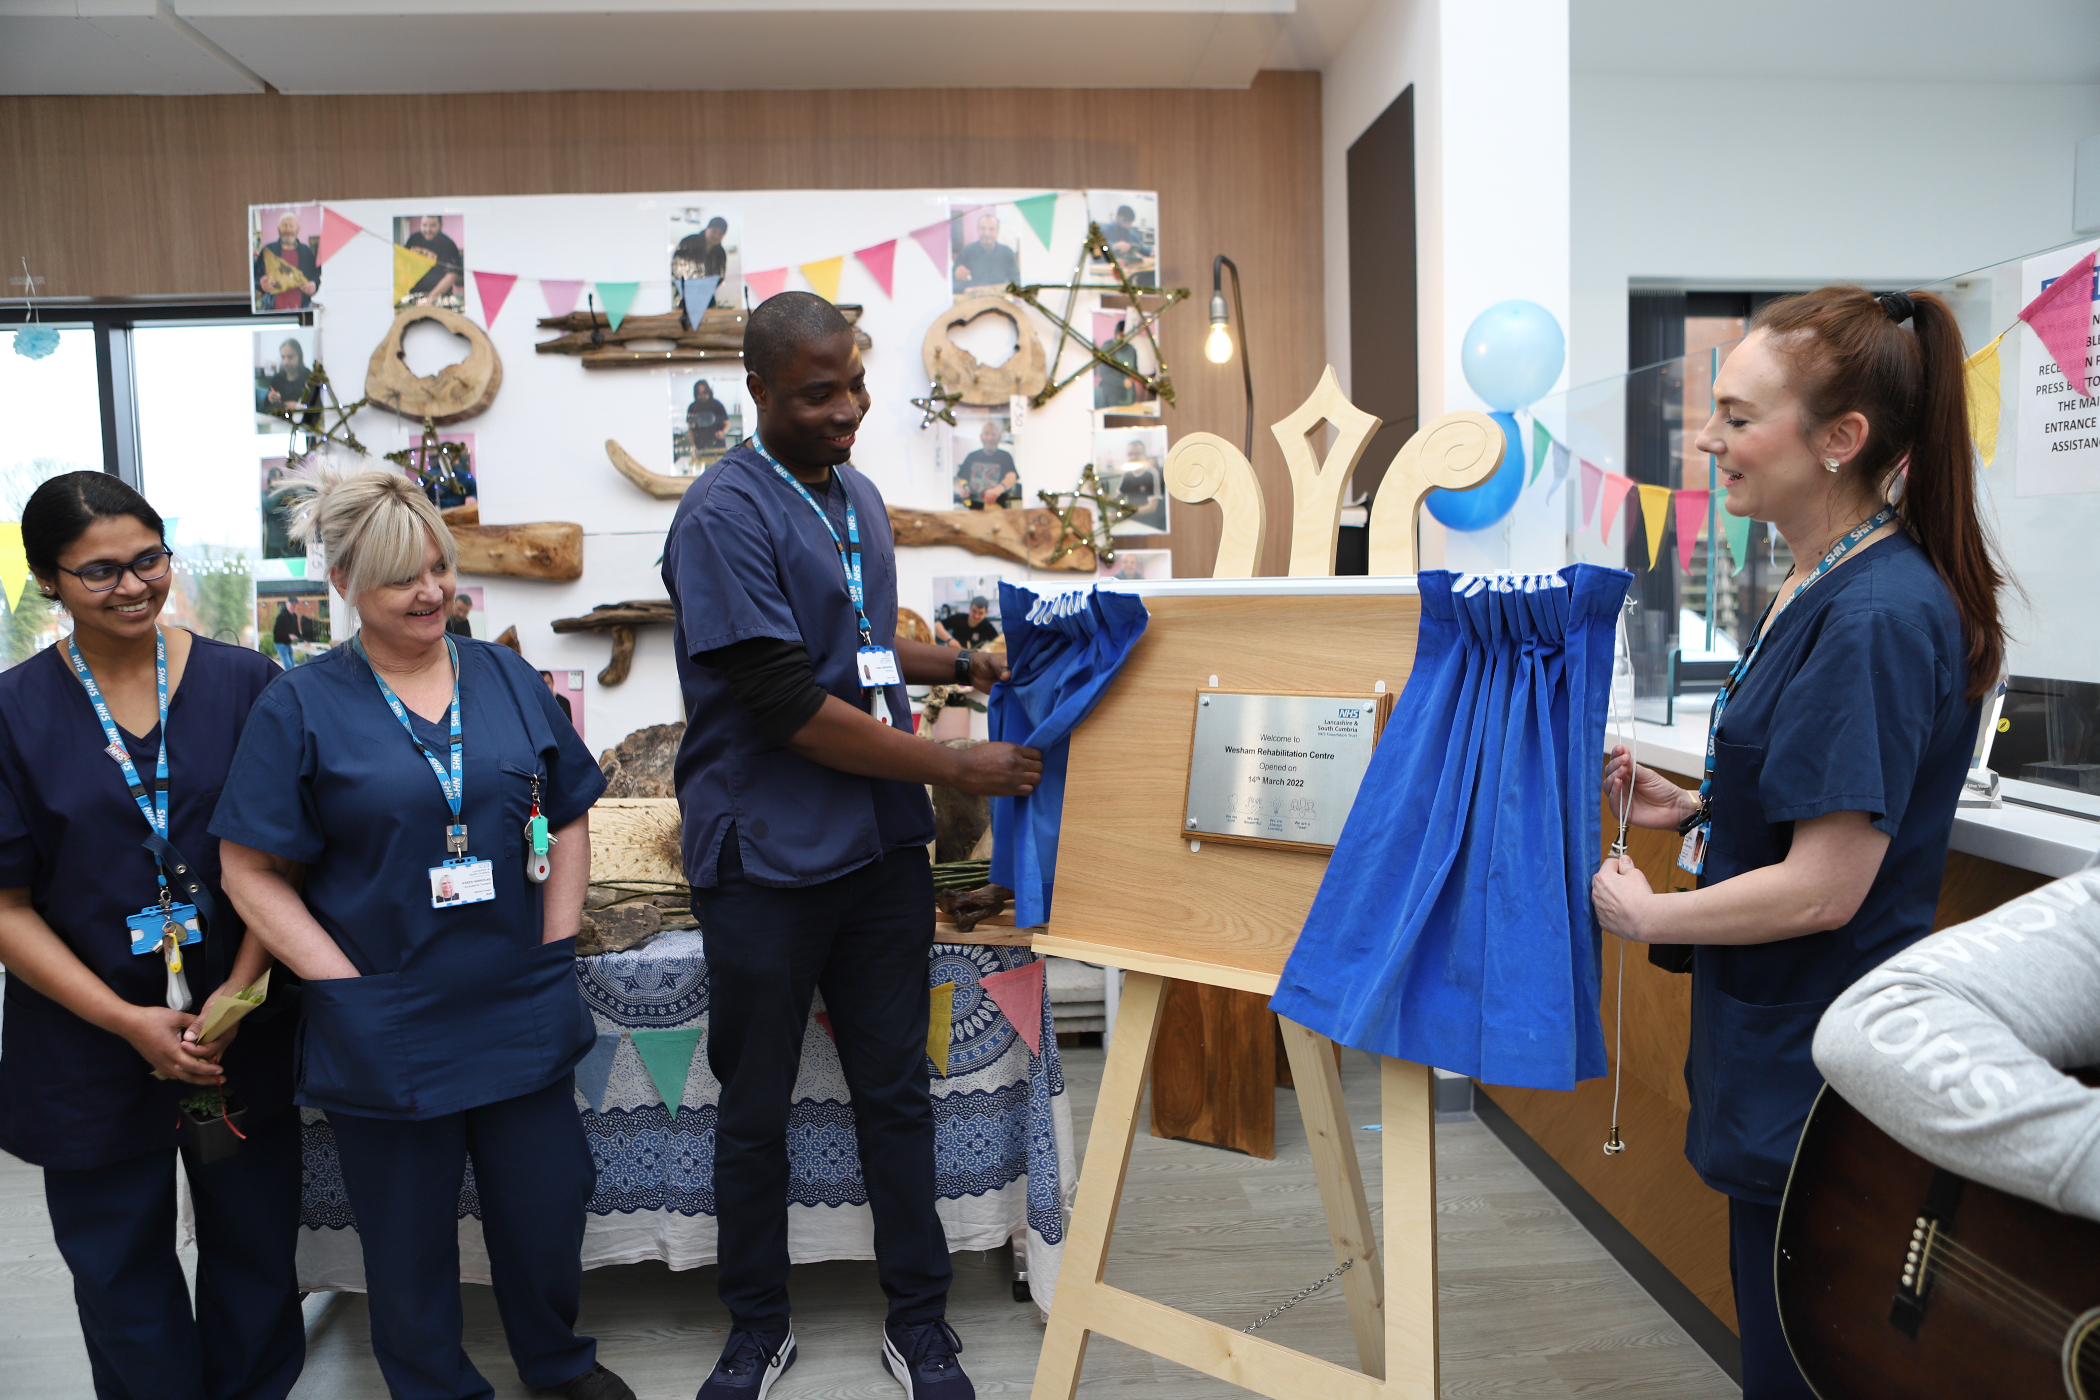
<point>1532,1306</point>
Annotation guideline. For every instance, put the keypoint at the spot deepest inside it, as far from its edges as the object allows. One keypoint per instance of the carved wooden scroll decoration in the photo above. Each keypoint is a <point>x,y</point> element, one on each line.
<point>1205,467</point>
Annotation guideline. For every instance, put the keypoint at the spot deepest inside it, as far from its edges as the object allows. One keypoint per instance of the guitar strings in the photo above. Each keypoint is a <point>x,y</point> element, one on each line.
<point>1983,1268</point>
<point>1980,1280</point>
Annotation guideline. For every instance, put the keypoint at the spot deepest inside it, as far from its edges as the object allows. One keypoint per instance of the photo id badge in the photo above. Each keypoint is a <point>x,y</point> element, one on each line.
<point>461,882</point>
<point>1691,856</point>
<point>149,926</point>
<point>878,666</point>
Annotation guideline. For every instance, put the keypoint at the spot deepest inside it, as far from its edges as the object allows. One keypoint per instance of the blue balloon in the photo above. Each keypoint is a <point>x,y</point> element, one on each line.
<point>1513,352</point>
<point>1491,500</point>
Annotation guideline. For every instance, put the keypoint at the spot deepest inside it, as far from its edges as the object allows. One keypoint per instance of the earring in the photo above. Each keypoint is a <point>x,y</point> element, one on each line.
<point>1830,464</point>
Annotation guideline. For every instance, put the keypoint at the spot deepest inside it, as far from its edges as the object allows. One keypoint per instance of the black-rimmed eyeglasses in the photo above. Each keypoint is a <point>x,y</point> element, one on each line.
<point>101,578</point>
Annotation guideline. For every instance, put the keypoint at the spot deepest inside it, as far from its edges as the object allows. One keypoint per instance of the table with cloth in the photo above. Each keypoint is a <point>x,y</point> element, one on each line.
<point>1003,1125</point>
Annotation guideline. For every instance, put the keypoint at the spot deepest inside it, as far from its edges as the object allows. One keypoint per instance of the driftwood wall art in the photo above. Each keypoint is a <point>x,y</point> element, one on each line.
<point>662,485</point>
<point>960,372</point>
<point>549,549</point>
<point>656,340</point>
<point>620,619</point>
<point>454,392</point>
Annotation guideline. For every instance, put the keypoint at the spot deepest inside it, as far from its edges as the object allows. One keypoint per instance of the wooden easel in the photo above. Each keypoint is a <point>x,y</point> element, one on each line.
<point>1132,893</point>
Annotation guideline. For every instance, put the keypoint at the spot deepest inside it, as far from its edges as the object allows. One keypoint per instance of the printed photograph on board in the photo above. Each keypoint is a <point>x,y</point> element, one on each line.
<point>1136,564</point>
<point>284,357</point>
<point>1129,462</point>
<point>1129,222</point>
<point>1115,391</point>
<point>707,241</point>
<point>986,477</point>
<point>709,415</point>
<point>277,542</point>
<point>291,619</point>
<point>284,253</point>
<point>567,687</point>
<point>430,261</point>
<point>466,619</point>
<point>446,473</point>
<point>984,247</point>
<point>966,611</point>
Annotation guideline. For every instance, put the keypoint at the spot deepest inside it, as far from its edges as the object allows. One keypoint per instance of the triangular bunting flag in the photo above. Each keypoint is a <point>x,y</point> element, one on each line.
<point>940,1025</point>
<point>934,239</point>
<point>1540,439</point>
<point>766,285</point>
<point>409,266</point>
<point>1655,513</point>
<point>2063,317</point>
<point>1561,457</point>
<point>1041,213</point>
<point>697,294</point>
<point>618,298</point>
<point>1690,507</point>
<point>881,263</point>
<point>1735,528</point>
<point>595,1069</point>
<point>495,290</point>
<point>1980,380</point>
<point>823,276</point>
<point>668,1056</point>
<point>1592,478</point>
<point>335,232</point>
<point>1018,992</point>
<point>14,563</point>
<point>1613,492</point>
<point>823,1020</point>
<point>561,294</point>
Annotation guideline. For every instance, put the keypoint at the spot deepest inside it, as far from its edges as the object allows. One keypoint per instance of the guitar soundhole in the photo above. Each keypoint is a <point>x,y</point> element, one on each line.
<point>2082,1357</point>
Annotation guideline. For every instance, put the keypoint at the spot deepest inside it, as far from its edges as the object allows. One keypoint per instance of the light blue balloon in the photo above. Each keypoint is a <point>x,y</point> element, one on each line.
<point>1491,500</point>
<point>1513,352</point>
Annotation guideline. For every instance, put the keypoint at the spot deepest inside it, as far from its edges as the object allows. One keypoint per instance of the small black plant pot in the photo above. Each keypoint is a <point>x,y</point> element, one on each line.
<point>213,1138</point>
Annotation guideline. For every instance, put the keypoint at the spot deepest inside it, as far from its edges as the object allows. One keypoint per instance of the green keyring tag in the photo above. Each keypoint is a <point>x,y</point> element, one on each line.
<point>536,835</point>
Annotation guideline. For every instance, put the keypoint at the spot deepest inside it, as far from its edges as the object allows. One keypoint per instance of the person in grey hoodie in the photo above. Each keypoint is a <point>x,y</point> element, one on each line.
<point>1956,1046</point>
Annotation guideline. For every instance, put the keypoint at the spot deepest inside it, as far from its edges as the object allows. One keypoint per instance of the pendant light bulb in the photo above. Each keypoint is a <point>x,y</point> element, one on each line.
<point>1218,348</point>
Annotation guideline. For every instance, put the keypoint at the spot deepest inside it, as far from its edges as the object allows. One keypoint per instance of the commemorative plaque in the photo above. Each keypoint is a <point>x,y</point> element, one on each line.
<point>1278,769</point>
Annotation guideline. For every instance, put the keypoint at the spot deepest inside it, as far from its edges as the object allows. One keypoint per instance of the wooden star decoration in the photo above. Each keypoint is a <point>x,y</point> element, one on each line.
<point>434,463</point>
<point>938,404</point>
<point>1083,529</point>
<point>1159,385</point>
<point>318,401</point>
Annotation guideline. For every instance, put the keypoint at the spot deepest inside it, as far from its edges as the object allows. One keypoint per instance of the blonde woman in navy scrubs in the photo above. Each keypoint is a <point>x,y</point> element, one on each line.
<point>88,1020</point>
<point>1839,743</point>
<point>440,1024</point>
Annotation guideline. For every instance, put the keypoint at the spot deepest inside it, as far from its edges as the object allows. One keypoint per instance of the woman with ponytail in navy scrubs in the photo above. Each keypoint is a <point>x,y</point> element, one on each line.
<point>87,1020</point>
<point>407,827</point>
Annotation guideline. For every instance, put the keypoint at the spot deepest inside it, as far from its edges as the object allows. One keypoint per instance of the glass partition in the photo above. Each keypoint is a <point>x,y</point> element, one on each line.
<point>50,424</point>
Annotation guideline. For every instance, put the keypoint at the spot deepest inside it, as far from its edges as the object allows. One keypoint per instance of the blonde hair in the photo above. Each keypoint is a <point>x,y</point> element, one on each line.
<point>371,524</point>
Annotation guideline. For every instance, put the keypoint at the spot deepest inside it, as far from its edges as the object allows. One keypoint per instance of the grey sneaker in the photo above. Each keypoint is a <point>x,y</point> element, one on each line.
<point>749,1365</point>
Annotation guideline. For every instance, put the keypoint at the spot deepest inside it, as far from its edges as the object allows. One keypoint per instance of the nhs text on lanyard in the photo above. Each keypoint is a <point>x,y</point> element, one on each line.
<point>877,665</point>
<point>461,879</point>
<point>165,926</point>
<point>1692,855</point>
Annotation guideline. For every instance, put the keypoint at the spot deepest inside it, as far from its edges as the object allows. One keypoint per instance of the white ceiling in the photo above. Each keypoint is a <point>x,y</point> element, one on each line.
<point>395,46</point>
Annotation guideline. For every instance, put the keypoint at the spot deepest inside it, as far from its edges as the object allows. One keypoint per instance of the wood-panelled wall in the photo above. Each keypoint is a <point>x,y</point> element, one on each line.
<point>124,196</point>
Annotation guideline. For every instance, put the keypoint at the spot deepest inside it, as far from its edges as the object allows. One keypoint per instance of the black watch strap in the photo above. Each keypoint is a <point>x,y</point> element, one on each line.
<point>962,667</point>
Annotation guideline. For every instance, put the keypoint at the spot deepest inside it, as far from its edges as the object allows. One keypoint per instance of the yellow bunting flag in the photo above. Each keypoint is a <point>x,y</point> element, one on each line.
<point>409,266</point>
<point>940,1018</point>
<point>1655,511</point>
<point>1980,377</point>
<point>824,276</point>
<point>14,563</point>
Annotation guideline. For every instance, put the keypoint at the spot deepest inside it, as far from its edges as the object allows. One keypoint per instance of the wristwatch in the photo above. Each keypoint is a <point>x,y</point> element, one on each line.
<point>962,667</point>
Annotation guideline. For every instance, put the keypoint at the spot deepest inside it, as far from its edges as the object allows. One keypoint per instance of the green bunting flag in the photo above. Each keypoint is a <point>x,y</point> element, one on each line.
<point>1041,213</point>
<point>668,1056</point>
<point>1539,439</point>
<point>1735,527</point>
<point>618,297</point>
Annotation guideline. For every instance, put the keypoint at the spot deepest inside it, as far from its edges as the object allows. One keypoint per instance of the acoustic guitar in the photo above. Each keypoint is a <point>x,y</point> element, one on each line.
<point>1897,1278</point>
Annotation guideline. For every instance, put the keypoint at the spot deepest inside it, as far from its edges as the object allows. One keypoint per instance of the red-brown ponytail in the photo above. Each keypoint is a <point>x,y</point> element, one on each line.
<point>1848,352</point>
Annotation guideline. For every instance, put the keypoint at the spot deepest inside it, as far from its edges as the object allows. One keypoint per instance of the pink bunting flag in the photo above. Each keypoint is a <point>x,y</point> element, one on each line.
<point>934,239</point>
<point>823,1019</point>
<point>1018,992</point>
<point>495,290</point>
<point>2063,317</point>
<point>881,263</point>
<point>1690,508</point>
<point>561,294</point>
<point>766,285</point>
<point>335,232</point>
<point>1614,492</point>
<point>1592,478</point>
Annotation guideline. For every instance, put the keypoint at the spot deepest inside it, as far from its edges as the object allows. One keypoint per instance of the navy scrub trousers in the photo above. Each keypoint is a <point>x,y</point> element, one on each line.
<point>534,1175</point>
<point>863,938</point>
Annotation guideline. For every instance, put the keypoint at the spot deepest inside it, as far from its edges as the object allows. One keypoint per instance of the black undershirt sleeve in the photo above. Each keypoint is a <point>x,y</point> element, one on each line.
<point>772,680</point>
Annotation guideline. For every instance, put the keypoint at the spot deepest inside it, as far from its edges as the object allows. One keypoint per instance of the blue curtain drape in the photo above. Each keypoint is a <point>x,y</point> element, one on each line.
<point>1454,926</point>
<point>1064,650</point>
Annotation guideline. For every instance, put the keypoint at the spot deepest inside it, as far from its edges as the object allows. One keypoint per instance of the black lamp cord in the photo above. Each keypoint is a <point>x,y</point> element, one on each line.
<point>1218,265</point>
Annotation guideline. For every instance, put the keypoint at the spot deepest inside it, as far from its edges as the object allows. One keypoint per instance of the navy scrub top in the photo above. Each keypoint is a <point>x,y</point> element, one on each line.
<point>74,1097</point>
<point>747,557</point>
<point>455,1007</point>
<point>1856,704</point>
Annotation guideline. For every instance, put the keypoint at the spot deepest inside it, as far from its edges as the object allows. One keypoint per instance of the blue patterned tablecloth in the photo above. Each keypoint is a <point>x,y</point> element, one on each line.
<point>1003,1134</point>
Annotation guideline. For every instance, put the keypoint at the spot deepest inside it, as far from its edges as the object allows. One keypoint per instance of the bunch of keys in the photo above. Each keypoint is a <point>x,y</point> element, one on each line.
<point>537,863</point>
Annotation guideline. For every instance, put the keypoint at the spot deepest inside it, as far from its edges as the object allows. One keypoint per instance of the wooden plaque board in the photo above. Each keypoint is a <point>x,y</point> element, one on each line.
<point>1379,704</point>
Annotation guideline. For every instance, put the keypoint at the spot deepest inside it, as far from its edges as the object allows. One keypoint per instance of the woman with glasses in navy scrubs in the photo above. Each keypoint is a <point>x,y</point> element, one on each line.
<point>1839,743</point>
<point>89,1020</point>
<point>406,826</point>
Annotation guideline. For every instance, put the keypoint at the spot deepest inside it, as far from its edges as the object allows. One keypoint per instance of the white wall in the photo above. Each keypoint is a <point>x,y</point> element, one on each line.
<point>1746,183</point>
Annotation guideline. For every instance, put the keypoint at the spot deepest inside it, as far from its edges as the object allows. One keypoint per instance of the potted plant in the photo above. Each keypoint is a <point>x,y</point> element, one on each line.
<point>211,1124</point>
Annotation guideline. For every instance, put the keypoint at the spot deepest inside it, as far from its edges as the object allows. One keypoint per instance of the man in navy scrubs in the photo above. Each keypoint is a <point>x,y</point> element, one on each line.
<point>806,823</point>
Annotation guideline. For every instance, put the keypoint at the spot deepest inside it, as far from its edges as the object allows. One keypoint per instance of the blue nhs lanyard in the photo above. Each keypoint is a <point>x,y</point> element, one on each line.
<point>849,555</point>
<point>1743,663</point>
<point>155,811</point>
<point>455,787</point>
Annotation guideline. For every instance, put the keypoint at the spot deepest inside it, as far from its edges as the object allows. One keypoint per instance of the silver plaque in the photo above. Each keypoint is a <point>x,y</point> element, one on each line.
<point>1278,767</point>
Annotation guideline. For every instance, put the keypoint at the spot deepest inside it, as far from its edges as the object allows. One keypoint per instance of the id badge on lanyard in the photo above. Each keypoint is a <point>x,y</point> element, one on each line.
<point>461,879</point>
